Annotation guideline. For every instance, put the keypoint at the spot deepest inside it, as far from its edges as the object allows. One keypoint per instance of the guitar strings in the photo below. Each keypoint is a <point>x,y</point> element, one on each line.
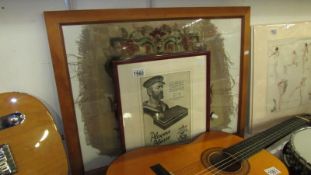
<point>263,141</point>
<point>246,150</point>
<point>186,168</point>
<point>290,122</point>
<point>193,164</point>
<point>232,161</point>
<point>191,167</point>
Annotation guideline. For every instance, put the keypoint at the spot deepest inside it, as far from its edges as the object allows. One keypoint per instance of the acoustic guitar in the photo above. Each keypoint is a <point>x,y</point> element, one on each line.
<point>211,153</point>
<point>29,141</point>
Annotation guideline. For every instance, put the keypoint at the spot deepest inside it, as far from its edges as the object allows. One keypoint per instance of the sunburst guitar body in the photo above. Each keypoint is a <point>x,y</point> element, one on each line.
<point>210,154</point>
<point>29,141</point>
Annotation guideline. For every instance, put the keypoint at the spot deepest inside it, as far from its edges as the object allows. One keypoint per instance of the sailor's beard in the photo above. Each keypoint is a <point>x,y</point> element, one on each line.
<point>158,96</point>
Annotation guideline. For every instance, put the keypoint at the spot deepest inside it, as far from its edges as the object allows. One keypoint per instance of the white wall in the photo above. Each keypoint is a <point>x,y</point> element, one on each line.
<point>25,60</point>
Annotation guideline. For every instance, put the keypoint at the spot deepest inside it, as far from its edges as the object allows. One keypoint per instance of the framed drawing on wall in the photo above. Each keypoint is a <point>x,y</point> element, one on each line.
<point>162,99</point>
<point>84,43</point>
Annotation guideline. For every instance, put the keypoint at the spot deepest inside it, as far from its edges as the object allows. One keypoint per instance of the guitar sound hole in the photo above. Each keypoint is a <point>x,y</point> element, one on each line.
<point>224,162</point>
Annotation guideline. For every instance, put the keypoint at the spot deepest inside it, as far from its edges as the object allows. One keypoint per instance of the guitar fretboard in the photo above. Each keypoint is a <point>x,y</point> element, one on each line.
<point>264,139</point>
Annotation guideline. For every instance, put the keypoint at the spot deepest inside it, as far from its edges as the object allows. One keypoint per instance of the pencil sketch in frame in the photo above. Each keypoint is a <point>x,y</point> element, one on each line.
<point>163,99</point>
<point>83,43</point>
<point>281,79</point>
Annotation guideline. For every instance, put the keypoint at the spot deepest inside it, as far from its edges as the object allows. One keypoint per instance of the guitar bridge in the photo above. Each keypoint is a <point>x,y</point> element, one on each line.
<point>7,164</point>
<point>160,170</point>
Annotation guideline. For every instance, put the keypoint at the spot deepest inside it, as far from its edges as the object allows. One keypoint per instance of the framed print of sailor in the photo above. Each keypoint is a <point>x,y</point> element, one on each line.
<point>166,118</point>
<point>154,106</point>
<point>162,99</point>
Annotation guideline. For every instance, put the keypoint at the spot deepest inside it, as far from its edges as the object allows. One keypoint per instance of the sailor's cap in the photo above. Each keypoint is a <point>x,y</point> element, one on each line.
<point>153,80</point>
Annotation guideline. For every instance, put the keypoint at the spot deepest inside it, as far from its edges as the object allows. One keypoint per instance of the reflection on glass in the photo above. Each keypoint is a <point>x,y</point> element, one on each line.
<point>127,115</point>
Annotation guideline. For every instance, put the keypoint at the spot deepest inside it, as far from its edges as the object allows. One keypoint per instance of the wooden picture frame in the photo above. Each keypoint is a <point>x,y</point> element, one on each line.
<point>74,106</point>
<point>162,99</point>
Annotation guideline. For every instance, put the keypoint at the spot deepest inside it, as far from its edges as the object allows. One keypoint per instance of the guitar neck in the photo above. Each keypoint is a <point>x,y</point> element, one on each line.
<point>254,144</point>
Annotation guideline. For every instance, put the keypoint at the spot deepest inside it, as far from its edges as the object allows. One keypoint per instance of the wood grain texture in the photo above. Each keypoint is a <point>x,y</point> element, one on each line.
<point>32,152</point>
<point>185,159</point>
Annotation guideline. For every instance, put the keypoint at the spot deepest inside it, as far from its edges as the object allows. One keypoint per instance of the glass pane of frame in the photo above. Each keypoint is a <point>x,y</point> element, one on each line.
<point>83,44</point>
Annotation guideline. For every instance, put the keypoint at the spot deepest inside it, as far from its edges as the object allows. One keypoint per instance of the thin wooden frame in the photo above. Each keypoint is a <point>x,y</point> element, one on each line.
<point>183,78</point>
<point>56,19</point>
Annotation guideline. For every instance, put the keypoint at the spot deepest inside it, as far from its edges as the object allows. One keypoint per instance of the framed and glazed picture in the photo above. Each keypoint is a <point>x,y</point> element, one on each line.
<point>163,99</point>
<point>84,43</point>
<point>281,72</point>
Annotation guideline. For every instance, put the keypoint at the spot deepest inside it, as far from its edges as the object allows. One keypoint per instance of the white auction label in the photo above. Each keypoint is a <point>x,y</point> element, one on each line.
<point>272,171</point>
<point>140,72</point>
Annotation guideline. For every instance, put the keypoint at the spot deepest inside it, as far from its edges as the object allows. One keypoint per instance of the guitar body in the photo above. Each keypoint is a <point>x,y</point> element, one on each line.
<point>186,159</point>
<point>35,144</point>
